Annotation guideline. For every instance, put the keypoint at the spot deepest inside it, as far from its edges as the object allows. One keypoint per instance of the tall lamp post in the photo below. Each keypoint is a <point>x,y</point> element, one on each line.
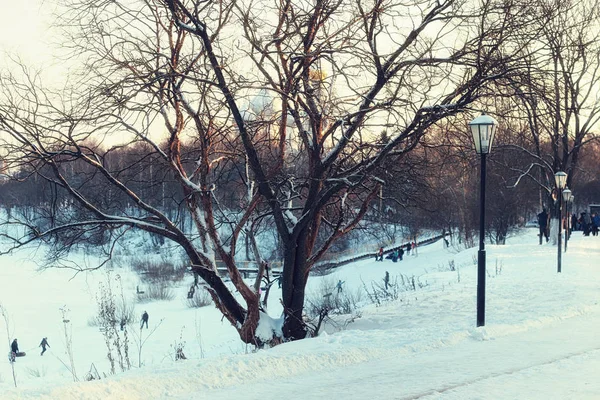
<point>560,179</point>
<point>483,129</point>
<point>567,198</point>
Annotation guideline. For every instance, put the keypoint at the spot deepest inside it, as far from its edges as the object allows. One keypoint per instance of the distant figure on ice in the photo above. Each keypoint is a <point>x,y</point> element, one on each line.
<point>543,224</point>
<point>400,253</point>
<point>144,320</point>
<point>408,247</point>
<point>379,255</point>
<point>43,345</point>
<point>339,285</point>
<point>123,323</point>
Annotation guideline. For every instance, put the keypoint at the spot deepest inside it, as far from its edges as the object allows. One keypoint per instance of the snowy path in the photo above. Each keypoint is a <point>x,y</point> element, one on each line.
<point>510,367</point>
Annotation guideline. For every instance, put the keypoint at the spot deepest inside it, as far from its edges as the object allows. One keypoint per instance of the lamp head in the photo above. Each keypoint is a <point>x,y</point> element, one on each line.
<point>560,179</point>
<point>483,129</point>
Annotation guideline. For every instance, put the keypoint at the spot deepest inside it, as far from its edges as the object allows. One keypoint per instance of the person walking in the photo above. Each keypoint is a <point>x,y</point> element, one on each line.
<point>339,286</point>
<point>43,345</point>
<point>408,247</point>
<point>144,320</point>
<point>386,280</point>
<point>543,225</point>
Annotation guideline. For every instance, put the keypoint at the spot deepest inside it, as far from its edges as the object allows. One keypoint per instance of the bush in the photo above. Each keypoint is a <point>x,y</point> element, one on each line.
<point>201,299</point>
<point>156,292</point>
<point>36,372</point>
<point>113,315</point>
<point>328,301</point>
<point>390,290</point>
<point>328,298</point>
<point>152,271</point>
<point>123,312</point>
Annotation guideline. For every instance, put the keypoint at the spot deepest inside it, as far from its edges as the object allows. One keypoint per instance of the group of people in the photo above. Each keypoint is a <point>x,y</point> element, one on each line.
<point>396,254</point>
<point>14,348</point>
<point>586,223</point>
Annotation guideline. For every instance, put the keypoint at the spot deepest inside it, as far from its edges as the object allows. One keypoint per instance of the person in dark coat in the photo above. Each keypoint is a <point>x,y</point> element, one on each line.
<point>400,253</point>
<point>595,224</point>
<point>144,320</point>
<point>585,223</point>
<point>43,345</point>
<point>543,224</point>
<point>14,348</point>
<point>408,247</point>
<point>574,223</point>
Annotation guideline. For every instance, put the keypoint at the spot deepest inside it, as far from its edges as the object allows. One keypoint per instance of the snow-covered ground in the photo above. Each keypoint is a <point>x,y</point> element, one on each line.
<point>540,340</point>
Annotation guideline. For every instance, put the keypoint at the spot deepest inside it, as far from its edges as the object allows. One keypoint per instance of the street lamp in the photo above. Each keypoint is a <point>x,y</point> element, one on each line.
<point>567,198</point>
<point>483,129</point>
<point>560,179</point>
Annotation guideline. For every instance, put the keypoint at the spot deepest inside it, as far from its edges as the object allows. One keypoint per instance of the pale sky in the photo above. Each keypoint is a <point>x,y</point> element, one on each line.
<point>24,30</point>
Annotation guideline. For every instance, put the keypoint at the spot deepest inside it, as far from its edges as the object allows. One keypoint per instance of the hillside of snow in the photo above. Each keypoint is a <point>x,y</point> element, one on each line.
<point>539,342</point>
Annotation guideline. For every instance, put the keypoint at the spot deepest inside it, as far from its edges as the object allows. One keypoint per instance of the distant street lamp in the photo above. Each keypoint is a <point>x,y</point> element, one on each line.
<point>567,198</point>
<point>483,129</point>
<point>560,179</point>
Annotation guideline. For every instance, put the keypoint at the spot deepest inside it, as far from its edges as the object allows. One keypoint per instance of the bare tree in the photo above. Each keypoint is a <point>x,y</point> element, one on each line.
<point>557,100</point>
<point>288,94</point>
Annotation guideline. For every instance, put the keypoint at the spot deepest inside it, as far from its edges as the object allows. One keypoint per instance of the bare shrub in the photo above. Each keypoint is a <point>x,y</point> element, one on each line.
<point>159,291</point>
<point>113,315</point>
<point>153,271</point>
<point>68,331</point>
<point>344,302</point>
<point>177,348</point>
<point>36,372</point>
<point>380,292</point>
<point>93,322</point>
<point>124,312</point>
<point>8,327</point>
<point>389,290</point>
<point>201,299</point>
<point>326,301</point>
